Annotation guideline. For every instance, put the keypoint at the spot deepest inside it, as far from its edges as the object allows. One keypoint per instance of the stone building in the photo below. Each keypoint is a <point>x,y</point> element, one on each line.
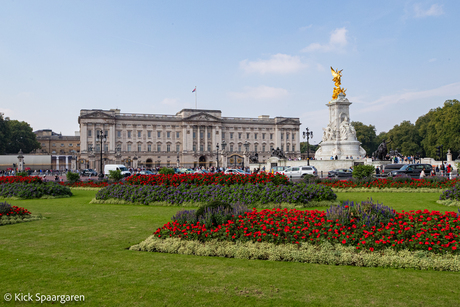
<point>53,143</point>
<point>187,139</point>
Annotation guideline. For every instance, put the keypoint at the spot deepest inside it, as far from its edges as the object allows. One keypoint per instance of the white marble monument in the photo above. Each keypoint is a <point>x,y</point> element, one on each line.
<point>339,137</point>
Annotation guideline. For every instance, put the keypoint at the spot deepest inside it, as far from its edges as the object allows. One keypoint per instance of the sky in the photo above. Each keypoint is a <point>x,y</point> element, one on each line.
<point>247,58</point>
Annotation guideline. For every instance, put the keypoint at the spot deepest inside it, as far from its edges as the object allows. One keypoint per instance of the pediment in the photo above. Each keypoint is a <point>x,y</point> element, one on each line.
<point>97,114</point>
<point>202,116</point>
<point>289,121</point>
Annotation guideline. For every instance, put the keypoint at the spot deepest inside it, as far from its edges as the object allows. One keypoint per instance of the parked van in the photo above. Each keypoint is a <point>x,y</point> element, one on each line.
<point>114,167</point>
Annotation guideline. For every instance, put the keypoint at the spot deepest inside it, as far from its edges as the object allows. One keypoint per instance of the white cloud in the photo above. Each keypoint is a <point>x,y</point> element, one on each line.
<point>384,102</point>
<point>434,10</point>
<point>432,60</point>
<point>337,42</point>
<point>260,93</point>
<point>305,28</point>
<point>278,63</point>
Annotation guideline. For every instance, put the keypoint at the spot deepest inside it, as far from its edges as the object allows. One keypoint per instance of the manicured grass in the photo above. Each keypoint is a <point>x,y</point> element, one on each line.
<point>81,249</point>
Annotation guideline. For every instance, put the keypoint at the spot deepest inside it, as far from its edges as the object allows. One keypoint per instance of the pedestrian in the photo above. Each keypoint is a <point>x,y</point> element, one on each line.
<point>422,174</point>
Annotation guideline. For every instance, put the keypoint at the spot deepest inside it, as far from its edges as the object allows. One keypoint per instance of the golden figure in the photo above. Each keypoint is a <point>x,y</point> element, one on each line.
<point>337,74</point>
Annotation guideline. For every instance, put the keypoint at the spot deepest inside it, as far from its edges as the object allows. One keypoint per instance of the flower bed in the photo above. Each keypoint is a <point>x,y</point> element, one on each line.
<point>207,179</point>
<point>16,179</point>
<point>388,183</point>
<point>414,231</point>
<point>12,214</point>
<point>87,184</point>
<point>299,193</point>
<point>34,190</point>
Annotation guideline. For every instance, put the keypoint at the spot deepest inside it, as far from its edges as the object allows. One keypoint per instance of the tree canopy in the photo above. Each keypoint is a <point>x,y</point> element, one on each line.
<point>16,135</point>
<point>366,135</point>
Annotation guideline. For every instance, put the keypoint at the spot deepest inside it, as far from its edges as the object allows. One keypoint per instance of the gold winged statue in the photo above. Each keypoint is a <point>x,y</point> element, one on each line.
<point>337,74</point>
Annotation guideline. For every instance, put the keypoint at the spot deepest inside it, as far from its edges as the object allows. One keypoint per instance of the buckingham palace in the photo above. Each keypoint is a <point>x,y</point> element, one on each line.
<point>191,138</point>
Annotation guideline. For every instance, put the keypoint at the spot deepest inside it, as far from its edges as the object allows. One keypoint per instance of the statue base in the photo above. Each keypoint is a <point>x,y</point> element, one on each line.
<point>341,149</point>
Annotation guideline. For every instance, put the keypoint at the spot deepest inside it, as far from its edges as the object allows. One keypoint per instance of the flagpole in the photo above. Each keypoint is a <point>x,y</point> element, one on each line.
<point>195,98</point>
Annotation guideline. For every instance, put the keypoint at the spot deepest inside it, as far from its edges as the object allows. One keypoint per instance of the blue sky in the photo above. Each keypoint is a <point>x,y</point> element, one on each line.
<point>247,58</point>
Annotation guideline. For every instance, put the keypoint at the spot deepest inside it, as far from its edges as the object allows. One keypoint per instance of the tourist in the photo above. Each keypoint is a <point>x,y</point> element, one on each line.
<point>422,174</point>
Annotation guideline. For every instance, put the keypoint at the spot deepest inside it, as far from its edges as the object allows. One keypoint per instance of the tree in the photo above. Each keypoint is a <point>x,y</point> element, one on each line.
<point>366,135</point>
<point>440,126</point>
<point>405,138</point>
<point>4,134</point>
<point>20,137</point>
<point>304,146</point>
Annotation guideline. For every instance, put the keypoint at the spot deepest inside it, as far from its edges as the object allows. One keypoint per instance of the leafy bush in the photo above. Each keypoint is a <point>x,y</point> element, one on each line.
<point>34,190</point>
<point>22,174</point>
<point>166,171</point>
<point>361,171</point>
<point>115,175</point>
<point>365,213</point>
<point>72,177</point>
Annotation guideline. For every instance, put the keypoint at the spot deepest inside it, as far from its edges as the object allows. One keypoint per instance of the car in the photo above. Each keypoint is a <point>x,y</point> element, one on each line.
<point>278,169</point>
<point>387,169</point>
<point>89,172</point>
<point>412,170</point>
<point>235,171</point>
<point>298,172</point>
<point>340,173</point>
<point>146,173</point>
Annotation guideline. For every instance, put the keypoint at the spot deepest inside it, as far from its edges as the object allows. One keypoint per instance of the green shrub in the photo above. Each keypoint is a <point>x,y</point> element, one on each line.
<point>22,174</point>
<point>115,175</point>
<point>166,171</point>
<point>72,177</point>
<point>361,171</point>
<point>308,178</point>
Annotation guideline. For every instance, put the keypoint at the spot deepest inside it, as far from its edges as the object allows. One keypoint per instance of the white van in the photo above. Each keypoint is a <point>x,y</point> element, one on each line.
<point>114,167</point>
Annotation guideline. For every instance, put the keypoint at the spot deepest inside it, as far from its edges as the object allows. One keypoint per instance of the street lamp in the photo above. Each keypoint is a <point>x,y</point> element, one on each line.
<point>224,144</point>
<point>177,159</point>
<point>308,134</point>
<point>217,155</point>
<point>101,138</point>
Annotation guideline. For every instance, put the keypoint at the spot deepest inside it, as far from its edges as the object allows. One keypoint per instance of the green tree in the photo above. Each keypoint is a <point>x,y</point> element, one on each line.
<point>405,138</point>
<point>4,134</point>
<point>21,136</point>
<point>366,135</point>
<point>304,145</point>
<point>440,126</point>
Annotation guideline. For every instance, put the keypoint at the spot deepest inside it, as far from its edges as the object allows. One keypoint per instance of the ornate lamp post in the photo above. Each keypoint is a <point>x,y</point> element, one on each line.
<point>217,155</point>
<point>177,159</point>
<point>308,134</point>
<point>101,138</point>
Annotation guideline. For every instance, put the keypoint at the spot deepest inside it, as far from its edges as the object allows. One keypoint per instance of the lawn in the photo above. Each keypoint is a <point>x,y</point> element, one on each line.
<point>81,249</point>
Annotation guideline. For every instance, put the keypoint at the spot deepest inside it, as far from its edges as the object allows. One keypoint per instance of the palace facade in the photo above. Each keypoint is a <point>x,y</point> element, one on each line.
<point>188,139</point>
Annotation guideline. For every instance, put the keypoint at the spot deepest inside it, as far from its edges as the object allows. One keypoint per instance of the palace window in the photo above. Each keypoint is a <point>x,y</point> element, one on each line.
<point>89,132</point>
<point>255,136</point>
<point>239,148</point>
<point>149,134</point>
<point>129,134</point>
<point>139,147</point>
<point>263,148</point>
<point>231,135</point>
<point>255,147</point>
<point>119,133</point>
<point>129,147</point>
<point>201,148</point>
<point>177,147</point>
<point>239,135</point>
<point>159,147</point>
<point>271,136</point>
<point>139,134</point>
<point>168,134</point>
<point>168,147</point>
<point>149,147</point>
<point>247,136</point>
<point>159,134</point>
<point>231,148</point>
<point>282,135</point>
<point>177,135</point>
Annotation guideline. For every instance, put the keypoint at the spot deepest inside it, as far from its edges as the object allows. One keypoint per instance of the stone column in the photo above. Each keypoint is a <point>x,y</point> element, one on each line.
<point>83,137</point>
<point>67,162</point>
<point>57,162</point>
<point>198,132</point>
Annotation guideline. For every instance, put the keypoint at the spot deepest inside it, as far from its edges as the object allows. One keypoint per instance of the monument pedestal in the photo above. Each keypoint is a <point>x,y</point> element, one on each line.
<point>339,137</point>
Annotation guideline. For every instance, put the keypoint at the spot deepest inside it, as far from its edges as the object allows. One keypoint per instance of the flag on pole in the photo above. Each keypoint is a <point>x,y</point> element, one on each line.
<point>194,90</point>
